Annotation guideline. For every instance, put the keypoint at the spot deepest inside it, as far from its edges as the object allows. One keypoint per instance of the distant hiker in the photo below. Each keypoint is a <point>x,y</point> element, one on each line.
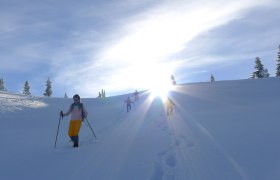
<point>78,113</point>
<point>169,106</point>
<point>136,95</point>
<point>212,78</point>
<point>128,104</point>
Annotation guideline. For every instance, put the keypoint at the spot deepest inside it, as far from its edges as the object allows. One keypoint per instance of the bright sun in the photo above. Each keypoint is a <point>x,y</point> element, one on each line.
<point>156,78</point>
<point>160,90</point>
<point>161,85</point>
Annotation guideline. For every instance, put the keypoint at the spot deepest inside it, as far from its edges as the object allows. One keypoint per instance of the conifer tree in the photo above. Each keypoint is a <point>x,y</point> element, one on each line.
<point>173,80</point>
<point>48,91</point>
<point>103,94</point>
<point>278,64</point>
<point>65,95</point>
<point>26,88</point>
<point>260,71</point>
<point>265,73</point>
<point>2,86</point>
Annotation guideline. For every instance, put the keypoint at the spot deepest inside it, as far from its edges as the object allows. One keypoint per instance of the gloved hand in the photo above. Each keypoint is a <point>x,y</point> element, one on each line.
<point>61,114</point>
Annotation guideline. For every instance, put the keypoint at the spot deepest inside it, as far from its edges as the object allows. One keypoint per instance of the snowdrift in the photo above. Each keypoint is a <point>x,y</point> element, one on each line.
<point>219,131</point>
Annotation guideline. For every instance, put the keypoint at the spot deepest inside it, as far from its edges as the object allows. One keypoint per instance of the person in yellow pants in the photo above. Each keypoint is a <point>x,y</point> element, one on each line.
<point>78,113</point>
<point>169,106</point>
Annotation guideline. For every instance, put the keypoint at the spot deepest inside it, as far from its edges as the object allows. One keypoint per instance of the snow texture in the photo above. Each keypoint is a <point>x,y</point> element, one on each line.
<point>219,131</point>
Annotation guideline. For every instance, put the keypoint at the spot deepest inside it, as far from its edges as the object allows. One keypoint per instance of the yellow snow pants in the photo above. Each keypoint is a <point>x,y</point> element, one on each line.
<point>74,127</point>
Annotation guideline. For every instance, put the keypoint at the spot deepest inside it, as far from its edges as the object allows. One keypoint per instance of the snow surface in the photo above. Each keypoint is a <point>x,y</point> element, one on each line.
<point>220,131</point>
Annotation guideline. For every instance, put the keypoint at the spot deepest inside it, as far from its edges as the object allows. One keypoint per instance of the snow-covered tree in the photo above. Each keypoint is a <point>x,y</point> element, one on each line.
<point>26,88</point>
<point>265,73</point>
<point>212,78</point>
<point>278,64</point>
<point>173,80</point>
<point>260,71</point>
<point>2,86</point>
<point>103,94</point>
<point>48,91</point>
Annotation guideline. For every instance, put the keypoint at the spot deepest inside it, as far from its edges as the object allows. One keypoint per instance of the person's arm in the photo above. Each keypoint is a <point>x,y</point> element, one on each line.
<point>171,101</point>
<point>68,112</point>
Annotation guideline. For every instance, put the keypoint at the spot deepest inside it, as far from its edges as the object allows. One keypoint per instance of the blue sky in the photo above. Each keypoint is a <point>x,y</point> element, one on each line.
<point>123,45</point>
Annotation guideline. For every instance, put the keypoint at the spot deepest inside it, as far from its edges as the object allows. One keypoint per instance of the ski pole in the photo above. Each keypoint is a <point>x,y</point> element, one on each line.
<point>123,107</point>
<point>90,127</point>
<point>57,129</point>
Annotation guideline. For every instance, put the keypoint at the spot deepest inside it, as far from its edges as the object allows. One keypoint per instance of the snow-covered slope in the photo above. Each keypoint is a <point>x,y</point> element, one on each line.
<point>221,131</point>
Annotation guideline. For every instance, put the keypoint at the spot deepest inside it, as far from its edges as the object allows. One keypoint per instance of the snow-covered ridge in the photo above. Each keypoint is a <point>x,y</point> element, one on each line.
<point>219,131</point>
<point>14,102</point>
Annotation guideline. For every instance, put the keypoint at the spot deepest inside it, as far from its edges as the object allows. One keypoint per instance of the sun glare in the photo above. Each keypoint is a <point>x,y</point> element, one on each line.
<point>156,78</point>
<point>160,91</point>
<point>161,88</point>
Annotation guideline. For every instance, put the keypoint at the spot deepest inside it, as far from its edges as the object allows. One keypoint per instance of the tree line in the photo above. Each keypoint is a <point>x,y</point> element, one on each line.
<point>26,87</point>
<point>260,72</point>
